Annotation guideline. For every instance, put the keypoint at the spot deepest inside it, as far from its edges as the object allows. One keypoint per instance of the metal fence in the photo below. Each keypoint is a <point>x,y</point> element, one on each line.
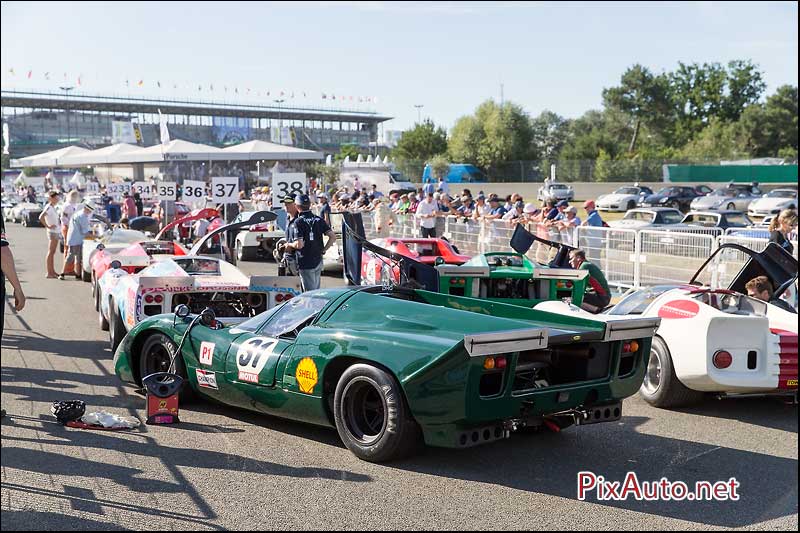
<point>628,258</point>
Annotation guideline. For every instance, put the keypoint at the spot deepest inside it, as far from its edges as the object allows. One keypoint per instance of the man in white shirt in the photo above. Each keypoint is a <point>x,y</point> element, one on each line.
<point>426,213</point>
<point>52,222</point>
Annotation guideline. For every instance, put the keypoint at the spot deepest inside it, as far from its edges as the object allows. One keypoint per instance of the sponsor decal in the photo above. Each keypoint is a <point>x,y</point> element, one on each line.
<point>306,375</point>
<point>252,356</point>
<point>162,404</point>
<point>199,288</point>
<point>791,383</point>
<point>206,379</point>
<point>266,288</point>
<point>206,353</point>
<point>679,309</point>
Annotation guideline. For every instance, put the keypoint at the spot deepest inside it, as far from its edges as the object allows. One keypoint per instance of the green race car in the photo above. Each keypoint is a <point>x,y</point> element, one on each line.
<point>392,367</point>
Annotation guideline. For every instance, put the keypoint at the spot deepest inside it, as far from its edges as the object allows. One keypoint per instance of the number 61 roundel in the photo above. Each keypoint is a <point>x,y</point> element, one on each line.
<point>252,356</point>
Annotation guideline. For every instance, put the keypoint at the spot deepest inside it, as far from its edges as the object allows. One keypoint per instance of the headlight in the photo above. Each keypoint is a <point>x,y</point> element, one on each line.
<point>664,200</point>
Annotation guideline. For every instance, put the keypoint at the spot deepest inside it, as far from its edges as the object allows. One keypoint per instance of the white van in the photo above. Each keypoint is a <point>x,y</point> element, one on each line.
<point>387,181</point>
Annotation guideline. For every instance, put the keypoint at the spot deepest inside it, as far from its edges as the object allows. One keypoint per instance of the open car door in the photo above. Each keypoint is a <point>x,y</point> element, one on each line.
<point>731,266</point>
<point>206,245</point>
<point>522,240</point>
<point>413,274</point>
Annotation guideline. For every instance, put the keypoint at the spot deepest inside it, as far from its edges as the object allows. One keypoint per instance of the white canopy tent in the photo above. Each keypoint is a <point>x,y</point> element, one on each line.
<point>176,150</point>
<point>49,159</point>
<point>258,150</point>
<point>100,156</point>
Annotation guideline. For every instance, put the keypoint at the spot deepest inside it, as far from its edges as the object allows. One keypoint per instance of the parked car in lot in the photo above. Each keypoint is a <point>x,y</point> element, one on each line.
<point>555,191</point>
<point>773,203</point>
<point>623,199</point>
<point>673,196</point>
<point>651,218</point>
<point>715,219</point>
<point>259,240</point>
<point>734,197</point>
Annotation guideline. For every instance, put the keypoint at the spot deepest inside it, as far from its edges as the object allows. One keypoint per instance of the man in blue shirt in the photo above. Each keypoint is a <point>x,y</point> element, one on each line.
<point>79,228</point>
<point>305,240</point>
<point>592,215</point>
<point>496,210</point>
<point>551,210</point>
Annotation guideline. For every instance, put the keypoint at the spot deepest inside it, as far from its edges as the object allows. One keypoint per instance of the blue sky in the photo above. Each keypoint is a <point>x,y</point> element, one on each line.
<point>447,56</point>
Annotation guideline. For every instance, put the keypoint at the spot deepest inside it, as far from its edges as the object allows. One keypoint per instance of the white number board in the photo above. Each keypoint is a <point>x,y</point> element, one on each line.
<point>194,192</point>
<point>225,190</point>
<point>92,187</point>
<point>145,189</point>
<point>116,190</point>
<point>167,190</point>
<point>289,183</point>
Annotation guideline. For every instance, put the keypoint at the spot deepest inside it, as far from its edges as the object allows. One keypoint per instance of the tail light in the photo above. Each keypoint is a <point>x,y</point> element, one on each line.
<point>722,359</point>
<point>630,347</point>
<point>158,298</point>
<point>288,297</point>
<point>279,297</point>
<point>498,362</point>
<point>148,299</point>
<point>283,297</point>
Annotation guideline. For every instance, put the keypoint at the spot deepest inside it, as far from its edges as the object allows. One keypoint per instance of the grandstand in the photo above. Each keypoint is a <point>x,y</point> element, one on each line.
<point>42,121</point>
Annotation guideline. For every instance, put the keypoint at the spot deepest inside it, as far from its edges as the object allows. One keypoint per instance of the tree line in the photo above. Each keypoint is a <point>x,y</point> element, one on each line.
<point>696,113</point>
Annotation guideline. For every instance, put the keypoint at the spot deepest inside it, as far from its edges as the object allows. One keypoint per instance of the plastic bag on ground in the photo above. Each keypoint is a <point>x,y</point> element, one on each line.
<point>109,420</point>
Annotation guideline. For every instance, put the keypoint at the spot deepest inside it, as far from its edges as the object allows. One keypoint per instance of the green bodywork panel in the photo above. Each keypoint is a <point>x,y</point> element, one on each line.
<point>515,282</point>
<point>417,336</point>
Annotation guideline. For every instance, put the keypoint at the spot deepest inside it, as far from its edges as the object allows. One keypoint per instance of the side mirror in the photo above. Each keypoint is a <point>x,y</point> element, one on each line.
<point>115,264</point>
<point>208,318</point>
<point>439,261</point>
<point>182,311</point>
<point>101,246</point>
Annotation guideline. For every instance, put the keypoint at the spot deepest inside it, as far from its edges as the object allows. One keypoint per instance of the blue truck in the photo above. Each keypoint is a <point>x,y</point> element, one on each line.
<point>459,173</point>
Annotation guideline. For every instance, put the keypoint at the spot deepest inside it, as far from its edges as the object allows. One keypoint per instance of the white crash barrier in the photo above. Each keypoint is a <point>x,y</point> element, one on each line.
<point>628,258</point>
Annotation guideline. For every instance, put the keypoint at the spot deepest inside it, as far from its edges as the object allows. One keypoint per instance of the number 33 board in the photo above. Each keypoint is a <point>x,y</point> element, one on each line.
<point>284,184</point>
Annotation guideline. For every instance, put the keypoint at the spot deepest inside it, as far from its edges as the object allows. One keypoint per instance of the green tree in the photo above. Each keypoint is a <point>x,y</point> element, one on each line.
<point>347,150</point>
<point>440,166</point>
<point>494,135</point>
<point>642,96</point>
<point>744,87</point>
<point>550,132</point>
<point>30,172</point>
<point>717,141</point>
<point>422,142</point>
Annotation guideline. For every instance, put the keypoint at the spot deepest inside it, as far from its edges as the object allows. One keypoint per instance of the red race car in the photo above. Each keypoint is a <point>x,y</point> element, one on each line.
<point>428,251</point>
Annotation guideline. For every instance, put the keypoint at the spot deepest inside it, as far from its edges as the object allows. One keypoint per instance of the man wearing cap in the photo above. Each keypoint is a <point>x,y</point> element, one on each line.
<point>592,215</point>
<point>289,259</point>
<point>305,241</point>
<point>496,210</point>
<point>78,230</point>
<point>481,207</point>
<point>426,214</point>
<point>324,208</point>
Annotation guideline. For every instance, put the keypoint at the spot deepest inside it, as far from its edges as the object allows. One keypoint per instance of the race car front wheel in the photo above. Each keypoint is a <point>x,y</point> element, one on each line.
<point>102,319</point>
<point>661,386</point>
<point>156,356</point>
<point>371,415</point>
<point>116,329</point>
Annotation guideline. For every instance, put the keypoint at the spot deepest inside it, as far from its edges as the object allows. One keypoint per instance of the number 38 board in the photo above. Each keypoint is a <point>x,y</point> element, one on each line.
<point>289,183</point>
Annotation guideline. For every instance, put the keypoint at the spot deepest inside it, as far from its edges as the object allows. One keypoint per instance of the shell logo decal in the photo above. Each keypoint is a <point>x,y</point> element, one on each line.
<point>306,375</point>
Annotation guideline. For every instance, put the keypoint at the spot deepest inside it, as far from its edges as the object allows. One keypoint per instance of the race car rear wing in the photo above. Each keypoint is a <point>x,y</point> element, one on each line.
<point>413,274</point>
<point>167,283</point>
<point>194,215</point>
<point>631,328</point>
<point>522,240</point>
<point>560,273</point>
<point>517,340</point>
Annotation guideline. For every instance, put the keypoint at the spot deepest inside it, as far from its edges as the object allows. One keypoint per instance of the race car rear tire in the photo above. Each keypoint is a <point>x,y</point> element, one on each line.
<point>669,391</point>
<point>116,329</point>
<point>372,417</point>
<point>154,357</point>
<point>86,276</point>
<point>631,205</point>
<point>246,253</point>
<point>103,322</point>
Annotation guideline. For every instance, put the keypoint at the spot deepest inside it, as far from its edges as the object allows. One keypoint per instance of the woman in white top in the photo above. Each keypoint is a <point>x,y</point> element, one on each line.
<point>50,220</point>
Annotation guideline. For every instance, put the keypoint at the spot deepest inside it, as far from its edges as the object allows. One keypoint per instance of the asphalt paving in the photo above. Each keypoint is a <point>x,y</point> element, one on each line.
<point>224,468</point>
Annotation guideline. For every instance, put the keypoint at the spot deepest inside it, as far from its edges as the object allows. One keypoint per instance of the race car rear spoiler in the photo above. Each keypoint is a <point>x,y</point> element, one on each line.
<point>517,340</point>
<point>631,328</point>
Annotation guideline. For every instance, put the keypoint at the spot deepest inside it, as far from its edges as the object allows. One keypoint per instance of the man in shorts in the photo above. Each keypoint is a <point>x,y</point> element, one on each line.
<point>79,228</point>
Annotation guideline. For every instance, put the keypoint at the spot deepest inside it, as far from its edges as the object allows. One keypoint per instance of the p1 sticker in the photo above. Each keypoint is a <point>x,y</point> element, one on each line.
<point>251,357</point>
<point>206,353</point>
<point>306,375</point>
<point>679,309</point>
<point>206,379</point>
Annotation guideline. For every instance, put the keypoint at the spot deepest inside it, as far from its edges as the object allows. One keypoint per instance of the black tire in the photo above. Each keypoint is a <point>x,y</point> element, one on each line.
<point>675,204</point>
<point>731,206</point>
<point>670,392</point>
<point>246,253</point>
<point>631,205</point>
<point>372,417</point>
<point>156,352</point>
<point>116,330</point>
<point>86,276</point>
<point>103,321</point>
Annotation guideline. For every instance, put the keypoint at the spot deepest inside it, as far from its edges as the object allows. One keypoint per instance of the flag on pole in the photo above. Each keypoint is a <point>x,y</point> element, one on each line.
<point>164,131</point>
<point>6,138</point>
<point>79,80</point>
<point>127,83</point>
<point>159,84</point>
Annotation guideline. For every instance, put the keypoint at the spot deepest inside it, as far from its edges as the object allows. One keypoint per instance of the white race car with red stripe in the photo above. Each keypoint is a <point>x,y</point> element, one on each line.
<point>717,340</point>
